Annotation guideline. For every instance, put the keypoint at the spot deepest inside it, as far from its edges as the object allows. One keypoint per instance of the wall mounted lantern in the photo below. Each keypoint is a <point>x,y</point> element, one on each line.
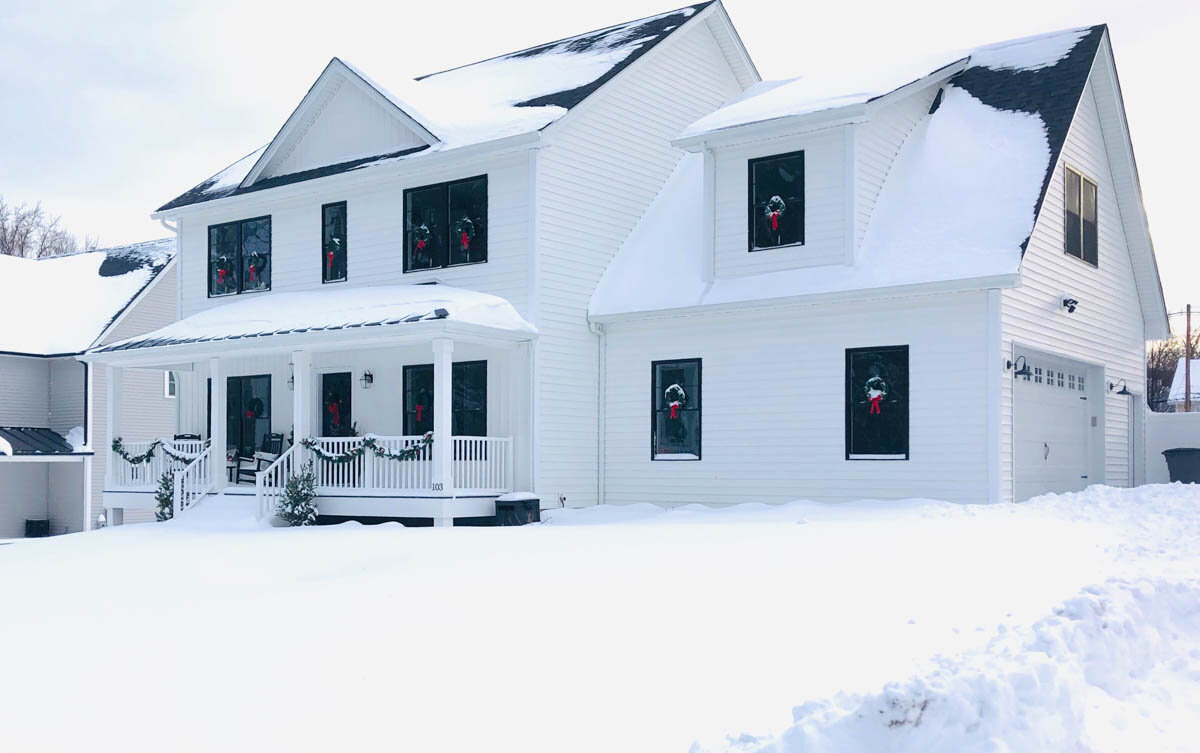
<point>1022,367</point>
<point>366,380</point>
<point>1124,387</point>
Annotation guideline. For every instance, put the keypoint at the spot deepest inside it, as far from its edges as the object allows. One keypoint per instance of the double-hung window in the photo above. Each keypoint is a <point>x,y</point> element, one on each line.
<point>675,409</point>
<point>468,399</point>
<point>446,224</point>
<point>239,257</point>
<point>776,201</point>
<point>1079,215</point>
<point>333,242</point>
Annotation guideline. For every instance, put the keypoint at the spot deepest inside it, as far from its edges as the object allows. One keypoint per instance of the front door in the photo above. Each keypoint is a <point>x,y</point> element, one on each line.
<point>247,412</point>
<point>336,417</point>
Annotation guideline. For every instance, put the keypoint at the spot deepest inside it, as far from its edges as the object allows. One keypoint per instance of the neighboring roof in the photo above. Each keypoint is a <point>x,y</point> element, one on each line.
<point>258,316</point>
<point>62,305</point>
<point>958,203</point>
<point>24,440</point>
<point>511,94</point>
<point>1178,383</point>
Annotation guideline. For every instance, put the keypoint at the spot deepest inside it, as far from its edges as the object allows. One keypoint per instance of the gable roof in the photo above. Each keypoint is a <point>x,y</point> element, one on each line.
<point>516,93</point>
<point>956,208</point>
<point>62,305</point>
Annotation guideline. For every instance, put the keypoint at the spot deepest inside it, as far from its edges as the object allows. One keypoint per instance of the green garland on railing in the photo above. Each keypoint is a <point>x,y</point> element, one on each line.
<point>119,448</point>
<point>369,442</point>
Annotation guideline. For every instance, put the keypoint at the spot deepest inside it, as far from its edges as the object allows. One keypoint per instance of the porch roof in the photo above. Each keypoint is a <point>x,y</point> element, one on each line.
<point>30,440</point>
<point>327,318</point>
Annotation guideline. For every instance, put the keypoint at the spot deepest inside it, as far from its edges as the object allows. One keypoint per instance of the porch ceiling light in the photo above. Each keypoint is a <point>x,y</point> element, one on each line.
<point>366,380</point>
<point>1124,387</point>
<point>1022,367</point>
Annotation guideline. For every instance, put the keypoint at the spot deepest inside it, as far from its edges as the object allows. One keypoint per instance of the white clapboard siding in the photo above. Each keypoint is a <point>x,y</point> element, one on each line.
<point>1107,329</point>
<point>602,167</point>
<point>23,492</point>
<point>24,393</point>
<point>64,497</point>
<point>773,396</point>
<point>66,396</point>
<point>375,235</point>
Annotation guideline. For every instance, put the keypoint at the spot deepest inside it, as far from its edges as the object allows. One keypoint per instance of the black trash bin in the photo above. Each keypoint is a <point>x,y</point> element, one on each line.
<point>518,509</point>
<point>37,528</point>
<point>1183,463</point>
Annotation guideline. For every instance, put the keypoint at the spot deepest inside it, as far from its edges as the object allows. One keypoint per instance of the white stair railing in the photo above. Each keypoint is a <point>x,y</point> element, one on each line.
<point>270,482</point>
<point>194,481</point>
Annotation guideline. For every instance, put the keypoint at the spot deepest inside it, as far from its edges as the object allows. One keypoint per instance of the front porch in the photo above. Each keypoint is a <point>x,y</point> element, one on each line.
<point>255,411</point>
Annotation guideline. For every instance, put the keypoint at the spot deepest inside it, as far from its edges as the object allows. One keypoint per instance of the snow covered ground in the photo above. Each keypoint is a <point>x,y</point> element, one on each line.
<point>1067,623</point>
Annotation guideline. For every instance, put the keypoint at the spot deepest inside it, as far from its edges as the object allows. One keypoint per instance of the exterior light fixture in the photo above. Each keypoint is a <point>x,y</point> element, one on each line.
<point>1069,304</point>
<point>1124,387</point>
<point>291,376</point>
<point>366,380</point>
<point>1022,367</point>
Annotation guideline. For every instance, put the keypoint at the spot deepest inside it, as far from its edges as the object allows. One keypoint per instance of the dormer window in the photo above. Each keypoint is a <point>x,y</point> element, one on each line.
<point>1082,240</point>
<point>445,224</point>
<point>776,201</point>
<point>239,257</point>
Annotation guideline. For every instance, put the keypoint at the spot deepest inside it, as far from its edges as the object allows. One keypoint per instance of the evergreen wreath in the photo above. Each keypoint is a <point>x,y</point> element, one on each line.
<point>775,207</point>
<point>421,236</point>
<point>876,390</point>
<point>369,442</point>
<point>164,497</point>
<point>257,262</point>
<point>465,229</point>
<point>223,267</point>
<point>676,397</point>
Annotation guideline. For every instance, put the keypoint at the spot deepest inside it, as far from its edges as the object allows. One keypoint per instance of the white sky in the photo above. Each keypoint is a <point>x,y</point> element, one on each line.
<point>110,109</point>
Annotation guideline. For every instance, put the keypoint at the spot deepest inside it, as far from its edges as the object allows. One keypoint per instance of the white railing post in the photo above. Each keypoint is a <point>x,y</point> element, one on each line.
<point>177,501</point>
<point>508,464</point>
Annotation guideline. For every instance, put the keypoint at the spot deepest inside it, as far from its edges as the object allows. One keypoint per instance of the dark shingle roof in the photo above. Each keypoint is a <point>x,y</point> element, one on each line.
<point>26,440</point>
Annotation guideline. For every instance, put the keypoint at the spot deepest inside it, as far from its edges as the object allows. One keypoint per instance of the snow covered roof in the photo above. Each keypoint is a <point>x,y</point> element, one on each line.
<point>61,305</point>
<point>26,440</point>
<point>266,315</point>
<point>959,202</point>
<point>511,94</point>
<point>1179,382</point>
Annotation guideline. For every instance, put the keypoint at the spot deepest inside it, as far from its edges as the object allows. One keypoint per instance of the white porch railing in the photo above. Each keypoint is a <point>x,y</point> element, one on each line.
<point>482,464</point>
<point>371,472</point>
<point>125,475</point>
<point>269,483</point>
<point>194,481</point>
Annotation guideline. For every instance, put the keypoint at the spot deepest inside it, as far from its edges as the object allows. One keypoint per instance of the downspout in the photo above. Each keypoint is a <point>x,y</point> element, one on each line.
<point>179,407</point>
<point>601,406</point>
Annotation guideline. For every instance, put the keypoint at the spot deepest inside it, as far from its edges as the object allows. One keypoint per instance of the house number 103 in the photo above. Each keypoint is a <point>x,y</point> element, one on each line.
<point>437,487</point>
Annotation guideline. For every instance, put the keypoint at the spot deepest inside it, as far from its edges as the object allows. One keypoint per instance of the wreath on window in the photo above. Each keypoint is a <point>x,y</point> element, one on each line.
<point>465,229</point>
<point>775,207</point>
<point>223,267</point>
<point>255,408</point>
<point>676,397</point>
<point>876,390</point>
<point>258,263</point>
<point>421,236</point>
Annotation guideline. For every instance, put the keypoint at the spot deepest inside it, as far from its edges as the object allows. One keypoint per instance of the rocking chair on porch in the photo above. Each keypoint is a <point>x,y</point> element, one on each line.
<point>272,446</point>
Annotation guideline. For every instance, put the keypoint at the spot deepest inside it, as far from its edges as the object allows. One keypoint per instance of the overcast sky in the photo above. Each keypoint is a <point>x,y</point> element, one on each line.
<point>109,109</point>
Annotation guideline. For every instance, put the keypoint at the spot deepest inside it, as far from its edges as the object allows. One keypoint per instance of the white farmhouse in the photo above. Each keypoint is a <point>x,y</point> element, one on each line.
<point>51,420</point>
<point>619,267</point>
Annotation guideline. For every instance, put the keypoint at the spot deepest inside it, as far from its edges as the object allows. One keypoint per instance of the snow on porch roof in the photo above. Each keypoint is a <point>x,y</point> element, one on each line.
<point>507,95</point>
<point>261,315</point>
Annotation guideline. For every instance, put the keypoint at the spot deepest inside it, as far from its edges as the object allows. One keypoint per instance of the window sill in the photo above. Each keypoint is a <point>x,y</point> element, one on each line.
<point>1081,260</point>
<point>334,282</point>
<point>674,456</point>
<point>448,266</point>
<point>756,249</point>
<point>244,292</point>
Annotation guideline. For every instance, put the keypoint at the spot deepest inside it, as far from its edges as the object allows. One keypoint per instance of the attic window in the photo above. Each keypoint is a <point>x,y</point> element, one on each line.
<point>446,224</point>
<point>1079,215</point>
<point>776,201</point>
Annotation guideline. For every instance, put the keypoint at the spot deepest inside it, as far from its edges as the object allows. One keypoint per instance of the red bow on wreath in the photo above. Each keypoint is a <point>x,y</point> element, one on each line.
<point>249,414</point>
<point>420,244</point>
<point>221,276</point>
<point>329,262</point>
<point>774,220</point>
<point>420,410</point>
<point>875,405</point>
<point>334,411</point>
<point>466,242</point>
<point>251,273</point>
<point>674,410</point>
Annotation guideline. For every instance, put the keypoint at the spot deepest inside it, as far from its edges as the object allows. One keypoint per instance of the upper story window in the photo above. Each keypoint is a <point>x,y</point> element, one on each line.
<point>776,201</point>
<point>333,242</point>
<point>239,257</point>
<point>445,224</point>
<point>1082,240</point>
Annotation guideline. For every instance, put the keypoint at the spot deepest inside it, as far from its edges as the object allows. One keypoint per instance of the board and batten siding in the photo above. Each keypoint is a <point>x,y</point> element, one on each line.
<point>1107,329</point>
<point>24,391</point>
<point>602,166</point>
<point>375,235</point>
<point>773,396</point>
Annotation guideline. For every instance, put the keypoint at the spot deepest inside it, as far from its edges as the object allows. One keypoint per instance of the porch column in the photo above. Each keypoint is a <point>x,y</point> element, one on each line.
<point>113,378</point>
<point>302,405</point>
<point>216,419</point>
<point>443,445</point>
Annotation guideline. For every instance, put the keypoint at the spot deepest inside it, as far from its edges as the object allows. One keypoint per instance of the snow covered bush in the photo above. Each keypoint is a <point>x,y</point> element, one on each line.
<point>297,507</point>
<point>164,496</point>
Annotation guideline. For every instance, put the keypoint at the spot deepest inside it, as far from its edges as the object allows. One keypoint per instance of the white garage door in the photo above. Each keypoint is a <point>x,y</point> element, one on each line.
<point>1051,428</point>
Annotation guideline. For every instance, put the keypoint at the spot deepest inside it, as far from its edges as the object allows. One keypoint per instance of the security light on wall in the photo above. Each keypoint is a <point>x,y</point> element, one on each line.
<point>1070,304</point>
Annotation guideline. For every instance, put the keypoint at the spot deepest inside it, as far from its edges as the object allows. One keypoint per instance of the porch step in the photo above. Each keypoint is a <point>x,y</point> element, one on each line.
<point>220,511</point>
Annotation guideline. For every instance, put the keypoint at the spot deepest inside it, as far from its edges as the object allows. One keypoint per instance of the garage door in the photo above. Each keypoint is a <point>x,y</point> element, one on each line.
<point>1051,428</point>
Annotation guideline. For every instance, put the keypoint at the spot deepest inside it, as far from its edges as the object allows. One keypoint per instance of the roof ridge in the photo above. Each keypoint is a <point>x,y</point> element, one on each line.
<point>106,249</point>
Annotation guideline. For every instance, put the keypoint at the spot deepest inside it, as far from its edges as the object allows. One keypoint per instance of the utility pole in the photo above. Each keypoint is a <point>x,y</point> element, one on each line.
<point>1187,364</point>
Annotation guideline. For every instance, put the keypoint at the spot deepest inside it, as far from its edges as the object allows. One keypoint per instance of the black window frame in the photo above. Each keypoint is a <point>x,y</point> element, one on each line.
<point>345,240</point>
<point>1088,254</point>
<point>655,410</point>
<point>850,403</point>
<point>241,289</point>
<point>406,377</point>
<point>752,211</point>
<point>444,252</point>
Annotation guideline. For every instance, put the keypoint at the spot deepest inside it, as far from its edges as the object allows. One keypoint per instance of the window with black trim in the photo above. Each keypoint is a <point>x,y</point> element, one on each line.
<point>1079,217</point>
<point>239,257</point>
<point>333,242</point>
<point>675,409</point>
<point>776,201</point>
<point>446,224</point>
<point>877,403</point>
<point>468,405</point>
